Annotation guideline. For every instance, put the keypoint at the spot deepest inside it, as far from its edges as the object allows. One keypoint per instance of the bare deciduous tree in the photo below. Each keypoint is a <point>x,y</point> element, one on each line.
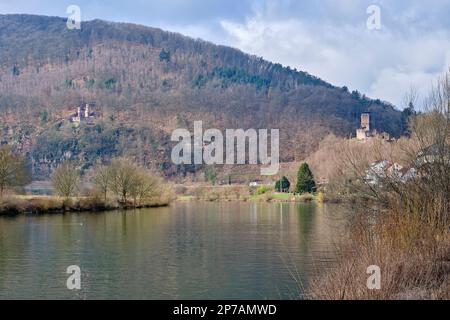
<point>129,181</point>
<point>144,187</point>
<point>102,180</point>
<point>13,170</point>
<point>66,179</point>
<point>431,134</point>
<point>123,178</point>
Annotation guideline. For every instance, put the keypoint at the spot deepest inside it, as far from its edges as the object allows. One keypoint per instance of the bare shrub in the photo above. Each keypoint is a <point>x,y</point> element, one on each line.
<point>414,260</point>
<point>131,183</point>
<point>180,190</point>
<point>406,230</point>
<point>66,180</point>
<point>222,193</point>
<point>306,197</point>
<point>13,170</point>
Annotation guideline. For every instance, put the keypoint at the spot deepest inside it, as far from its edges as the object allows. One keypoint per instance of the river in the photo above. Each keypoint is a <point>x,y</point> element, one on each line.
<point>186,251</point>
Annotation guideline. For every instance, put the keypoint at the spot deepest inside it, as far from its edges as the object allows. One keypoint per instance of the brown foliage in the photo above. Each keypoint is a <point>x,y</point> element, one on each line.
<point>119,67</point>
<point>13,170</point>
<point>406,233</point>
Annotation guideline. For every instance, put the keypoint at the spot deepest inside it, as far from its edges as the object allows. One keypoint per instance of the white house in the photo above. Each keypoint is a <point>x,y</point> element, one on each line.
<point>385,169</point>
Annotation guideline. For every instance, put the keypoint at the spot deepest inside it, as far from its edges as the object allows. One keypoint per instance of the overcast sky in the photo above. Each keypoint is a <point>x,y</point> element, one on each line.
<point>327,38</point>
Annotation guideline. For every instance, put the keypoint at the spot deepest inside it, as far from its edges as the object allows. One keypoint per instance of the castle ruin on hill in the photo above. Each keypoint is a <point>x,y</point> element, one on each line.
<point>364,133</point>
<point>83,115</point>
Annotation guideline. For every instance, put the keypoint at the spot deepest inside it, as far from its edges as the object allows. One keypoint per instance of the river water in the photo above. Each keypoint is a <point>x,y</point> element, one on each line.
<point>185,251</point>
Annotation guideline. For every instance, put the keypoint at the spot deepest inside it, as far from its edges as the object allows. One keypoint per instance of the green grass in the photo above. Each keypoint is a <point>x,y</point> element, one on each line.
<point>283,196</point>
<point>275,197</point>
<point>186,198</point>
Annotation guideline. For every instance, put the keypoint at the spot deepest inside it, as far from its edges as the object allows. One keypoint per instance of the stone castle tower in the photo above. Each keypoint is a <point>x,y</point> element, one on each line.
<point>363,133</point>
<point>365,121</point>
<point>83,115</point>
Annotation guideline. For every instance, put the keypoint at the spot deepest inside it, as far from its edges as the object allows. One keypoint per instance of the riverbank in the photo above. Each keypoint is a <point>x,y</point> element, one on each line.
<point>15,205</point>
<point>251,249</point>
<point>412,255</point>
<point>27,204</point>
<point>243,193</point>
<point>267,197</point>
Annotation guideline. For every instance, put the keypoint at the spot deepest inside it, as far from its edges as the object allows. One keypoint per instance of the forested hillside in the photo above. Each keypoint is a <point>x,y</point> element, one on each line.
<point>145,82</point>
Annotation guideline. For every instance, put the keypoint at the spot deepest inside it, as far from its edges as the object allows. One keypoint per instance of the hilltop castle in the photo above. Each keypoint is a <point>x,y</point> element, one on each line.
<point>83,115</point>
<point>363,133</point>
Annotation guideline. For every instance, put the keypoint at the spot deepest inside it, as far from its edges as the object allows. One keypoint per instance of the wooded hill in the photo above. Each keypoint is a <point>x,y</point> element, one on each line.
<point>145,82</point>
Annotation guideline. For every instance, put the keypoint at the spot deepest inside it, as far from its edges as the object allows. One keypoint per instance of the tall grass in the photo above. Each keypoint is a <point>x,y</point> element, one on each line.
<point>413,256</point>
<point>219,193</point>
<point>406,229</point>
<point>406,234</point>
<point>13,205</point>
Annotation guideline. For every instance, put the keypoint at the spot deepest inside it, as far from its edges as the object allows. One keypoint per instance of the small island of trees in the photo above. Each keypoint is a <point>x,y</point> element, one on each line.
<point>120,184</point>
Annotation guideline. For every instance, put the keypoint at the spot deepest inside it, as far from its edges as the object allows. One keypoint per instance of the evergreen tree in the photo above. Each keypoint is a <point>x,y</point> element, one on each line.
<point>164,55</point>
<point>283,185</point>
<point>278,186</point>
<point>305,180</point>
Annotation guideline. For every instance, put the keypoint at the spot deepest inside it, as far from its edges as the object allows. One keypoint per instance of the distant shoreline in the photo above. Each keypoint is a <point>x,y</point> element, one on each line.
<point>37,205</point>
<point>267,197</point>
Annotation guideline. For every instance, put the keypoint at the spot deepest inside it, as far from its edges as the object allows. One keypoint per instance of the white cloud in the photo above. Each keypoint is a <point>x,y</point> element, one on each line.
<point>392,84</point>
<point>327,38</point>
<point>382,64</point>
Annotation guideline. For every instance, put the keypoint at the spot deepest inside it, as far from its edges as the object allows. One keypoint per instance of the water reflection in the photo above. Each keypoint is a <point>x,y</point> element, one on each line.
<point>187,251</point>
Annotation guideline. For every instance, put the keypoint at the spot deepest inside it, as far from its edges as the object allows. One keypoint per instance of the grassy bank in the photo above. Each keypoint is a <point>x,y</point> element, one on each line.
<point>244,193</point>
<point>285,197</point>
<point>13,205</point>
<point>413,256</point>
<point>403,225</point>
